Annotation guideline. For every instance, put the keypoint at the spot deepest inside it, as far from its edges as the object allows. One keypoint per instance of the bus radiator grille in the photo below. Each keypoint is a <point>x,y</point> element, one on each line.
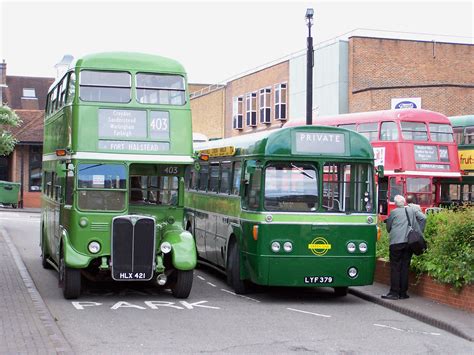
<point>133,248</point>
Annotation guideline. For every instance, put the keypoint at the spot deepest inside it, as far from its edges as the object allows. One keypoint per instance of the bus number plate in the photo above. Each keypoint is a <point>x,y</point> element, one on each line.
<point>132,276</point>
<point>318,279</point>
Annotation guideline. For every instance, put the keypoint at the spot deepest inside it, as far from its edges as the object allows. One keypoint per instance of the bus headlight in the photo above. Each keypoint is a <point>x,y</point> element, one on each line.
<point>352,272</point>
<point>363,247</point>
<point>165,247</point>
<point>94,247</point>
<point>276,247</point>
<point>351,247</point>
<point>288,247</point>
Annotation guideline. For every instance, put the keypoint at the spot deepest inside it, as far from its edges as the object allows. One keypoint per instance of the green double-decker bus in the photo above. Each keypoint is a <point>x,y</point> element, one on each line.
<point>288,207</point>
<point>117,139</point>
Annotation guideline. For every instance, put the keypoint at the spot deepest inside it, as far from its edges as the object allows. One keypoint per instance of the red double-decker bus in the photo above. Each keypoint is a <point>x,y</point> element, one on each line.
<point>416,148</point>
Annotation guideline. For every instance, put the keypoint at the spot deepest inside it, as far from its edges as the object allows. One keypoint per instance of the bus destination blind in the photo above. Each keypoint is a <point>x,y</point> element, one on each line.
<point>319,143</point>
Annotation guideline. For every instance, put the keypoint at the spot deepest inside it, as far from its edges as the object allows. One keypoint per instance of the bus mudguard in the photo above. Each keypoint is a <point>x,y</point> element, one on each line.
<point>183,248</point>
<point>72,257</point>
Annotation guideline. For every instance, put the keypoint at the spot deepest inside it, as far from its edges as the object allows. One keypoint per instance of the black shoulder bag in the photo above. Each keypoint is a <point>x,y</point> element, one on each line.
<point>416,242</point>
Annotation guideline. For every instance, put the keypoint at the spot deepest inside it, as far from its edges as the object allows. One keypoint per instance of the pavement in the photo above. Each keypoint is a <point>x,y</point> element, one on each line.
<point>27,326</point>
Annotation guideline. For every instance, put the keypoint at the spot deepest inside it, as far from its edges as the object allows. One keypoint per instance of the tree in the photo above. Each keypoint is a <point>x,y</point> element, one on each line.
<point>8,118</point>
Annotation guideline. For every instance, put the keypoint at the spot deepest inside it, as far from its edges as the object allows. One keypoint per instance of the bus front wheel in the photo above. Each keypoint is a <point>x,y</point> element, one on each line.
<point>183,282</point>
<point>69,279</point>
<point>233,271</point>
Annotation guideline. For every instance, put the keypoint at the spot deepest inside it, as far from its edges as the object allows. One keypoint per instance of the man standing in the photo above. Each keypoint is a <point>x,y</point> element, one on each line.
<point>411,202</point>
<point>400,254</point>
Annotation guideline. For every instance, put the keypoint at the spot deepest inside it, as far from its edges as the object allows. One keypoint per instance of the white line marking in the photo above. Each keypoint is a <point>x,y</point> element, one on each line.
<point>211,284</point>
<point>201,278</point>
<point>234,294</point>
<point>314,314</point>
<point>405,330</point>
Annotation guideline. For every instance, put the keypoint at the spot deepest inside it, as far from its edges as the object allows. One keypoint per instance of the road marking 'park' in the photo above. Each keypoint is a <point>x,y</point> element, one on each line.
<point>82,305</point>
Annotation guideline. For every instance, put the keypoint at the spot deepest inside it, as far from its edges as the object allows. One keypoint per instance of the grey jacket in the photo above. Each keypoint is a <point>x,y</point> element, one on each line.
<point>397,223</point>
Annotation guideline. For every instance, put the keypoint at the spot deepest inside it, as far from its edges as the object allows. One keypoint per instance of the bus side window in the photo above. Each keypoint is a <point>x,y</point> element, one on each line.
<point>71,88</point>
<point>253,186</point>
<point>214,177</point>
<point>203,177</point>
<point>236,178</point>
<point>69,188</point>
<point>226,169</point>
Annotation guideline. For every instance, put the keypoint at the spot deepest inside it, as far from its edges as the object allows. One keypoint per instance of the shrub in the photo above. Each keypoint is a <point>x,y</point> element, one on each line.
<point>449,258</point>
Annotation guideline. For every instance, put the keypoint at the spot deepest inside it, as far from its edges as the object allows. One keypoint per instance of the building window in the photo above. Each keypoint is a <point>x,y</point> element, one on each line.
<point>35,168</point>
<point>251,105</point>
<point>265,105</point>
<point>237,112</point>
<point>29,93</point>
<point>280,102</point>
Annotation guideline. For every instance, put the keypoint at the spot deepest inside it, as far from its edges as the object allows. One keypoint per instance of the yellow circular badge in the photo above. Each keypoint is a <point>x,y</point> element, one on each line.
<point>319,246</point>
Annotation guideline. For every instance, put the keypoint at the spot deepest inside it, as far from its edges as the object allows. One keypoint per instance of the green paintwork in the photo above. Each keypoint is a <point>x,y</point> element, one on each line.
<point>183,252</point>
<point>72,257</point>
<point>222,213</point>
<point>462,121</point>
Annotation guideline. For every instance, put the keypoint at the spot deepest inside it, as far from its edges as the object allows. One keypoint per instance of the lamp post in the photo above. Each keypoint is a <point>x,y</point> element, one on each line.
<point>309,69</point>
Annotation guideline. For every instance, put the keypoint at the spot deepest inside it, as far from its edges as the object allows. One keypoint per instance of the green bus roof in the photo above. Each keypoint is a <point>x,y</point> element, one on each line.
<point>462,121</point>
<point>281,142</point>
<point>130,61</point>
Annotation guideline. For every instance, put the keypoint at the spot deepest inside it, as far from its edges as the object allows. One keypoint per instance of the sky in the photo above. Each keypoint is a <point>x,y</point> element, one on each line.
<point>214,40</point>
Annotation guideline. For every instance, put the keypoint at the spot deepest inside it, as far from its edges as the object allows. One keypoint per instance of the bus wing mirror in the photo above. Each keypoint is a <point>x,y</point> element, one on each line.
<point>380,171</point>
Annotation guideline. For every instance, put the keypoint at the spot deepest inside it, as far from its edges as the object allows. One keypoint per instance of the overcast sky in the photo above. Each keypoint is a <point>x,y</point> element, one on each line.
<point>213,40</point>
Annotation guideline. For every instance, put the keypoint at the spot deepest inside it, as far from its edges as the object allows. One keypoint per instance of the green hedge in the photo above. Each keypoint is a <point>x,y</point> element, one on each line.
<point>450,237</point>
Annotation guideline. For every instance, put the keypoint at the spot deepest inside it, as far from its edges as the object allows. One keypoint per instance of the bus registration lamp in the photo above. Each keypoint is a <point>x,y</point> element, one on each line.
<point>309,69</point>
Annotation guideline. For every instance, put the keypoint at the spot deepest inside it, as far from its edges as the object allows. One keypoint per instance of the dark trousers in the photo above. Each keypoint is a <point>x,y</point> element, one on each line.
<point>400,257</point>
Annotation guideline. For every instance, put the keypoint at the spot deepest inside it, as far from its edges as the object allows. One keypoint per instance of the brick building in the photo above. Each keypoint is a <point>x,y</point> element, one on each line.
<point>27,96</point>
<point>441,74</point>
<point>354,74</point>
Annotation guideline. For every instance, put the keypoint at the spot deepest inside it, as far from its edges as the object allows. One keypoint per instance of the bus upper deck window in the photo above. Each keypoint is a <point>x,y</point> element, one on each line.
<point>441,132</point>
<point>469,135</point>
<point>160,89</point>
<point>369,130</point>
<point>388,131</point>
<point>414,131</point>
<point>99,86</point>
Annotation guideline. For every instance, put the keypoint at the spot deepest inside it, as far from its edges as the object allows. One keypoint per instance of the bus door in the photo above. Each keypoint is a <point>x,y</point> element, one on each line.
<point>383,196</point>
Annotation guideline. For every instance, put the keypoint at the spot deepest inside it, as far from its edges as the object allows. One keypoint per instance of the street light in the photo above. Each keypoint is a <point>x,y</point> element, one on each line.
<point>309,69</point>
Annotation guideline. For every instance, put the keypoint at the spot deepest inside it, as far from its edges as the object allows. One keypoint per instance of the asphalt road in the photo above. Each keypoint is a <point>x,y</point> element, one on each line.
<point>141,318</point>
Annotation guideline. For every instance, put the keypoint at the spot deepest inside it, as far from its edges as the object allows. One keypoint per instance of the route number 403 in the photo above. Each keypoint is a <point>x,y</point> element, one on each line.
<point>159,124</point>
<point>171,170</point>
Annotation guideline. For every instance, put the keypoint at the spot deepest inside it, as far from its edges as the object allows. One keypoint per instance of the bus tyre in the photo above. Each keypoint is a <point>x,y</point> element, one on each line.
<point>233,271</point>
<point>341,291</point>
<point>181,287</point>
<point>69,280</point>
<point>44,255</point>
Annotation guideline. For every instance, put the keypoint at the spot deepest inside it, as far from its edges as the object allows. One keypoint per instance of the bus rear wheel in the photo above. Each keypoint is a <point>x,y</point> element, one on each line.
<point>183,282</point>
<point>69,279</point>
<point>341,291</point>
<point>233,271</point>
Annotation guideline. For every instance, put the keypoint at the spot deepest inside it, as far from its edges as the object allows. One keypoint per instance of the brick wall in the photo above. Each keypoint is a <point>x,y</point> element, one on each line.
<point>442,74</point>
<point>208,114</point>
<point>268,77</point>
<point>425,286</point>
